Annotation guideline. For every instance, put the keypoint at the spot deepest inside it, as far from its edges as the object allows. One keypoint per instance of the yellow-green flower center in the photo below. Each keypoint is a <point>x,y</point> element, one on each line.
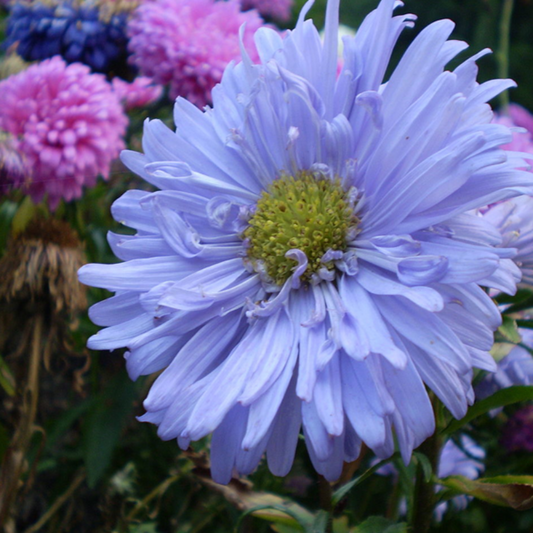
<point>303,212</point>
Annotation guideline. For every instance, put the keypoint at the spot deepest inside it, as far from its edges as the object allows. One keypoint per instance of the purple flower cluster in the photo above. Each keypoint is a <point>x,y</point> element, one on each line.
<point>88,31</point>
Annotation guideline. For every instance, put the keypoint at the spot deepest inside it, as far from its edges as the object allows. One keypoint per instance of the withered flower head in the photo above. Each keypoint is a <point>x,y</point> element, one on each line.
<point>40,268</point>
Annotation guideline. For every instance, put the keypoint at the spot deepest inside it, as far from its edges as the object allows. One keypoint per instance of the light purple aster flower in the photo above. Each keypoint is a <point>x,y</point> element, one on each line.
<point>310,261</point>
<point>464,460</point>
<point>514,220</point>
<point>516,368</point>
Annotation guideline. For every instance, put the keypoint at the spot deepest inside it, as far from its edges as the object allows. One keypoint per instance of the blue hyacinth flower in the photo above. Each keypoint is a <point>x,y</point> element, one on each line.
<point>311,261</point>
<point>90,32</point>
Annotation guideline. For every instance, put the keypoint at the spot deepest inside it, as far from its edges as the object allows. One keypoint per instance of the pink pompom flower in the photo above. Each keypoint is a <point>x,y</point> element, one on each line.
<point>521,117</point>
<point>66,122</point>
<point>516,116</point>
<point>139,93</point>
<point>278,9</point>
<point>188,43</point>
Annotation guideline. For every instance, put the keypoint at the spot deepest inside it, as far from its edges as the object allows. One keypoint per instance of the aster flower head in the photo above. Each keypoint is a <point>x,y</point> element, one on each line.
<point>187,43</point>
<point>310,260</point>
<point>89,31</point>
<point>66,123</point>
<point>516,368</point>
<point>514,220</point>
<point>278,9</point>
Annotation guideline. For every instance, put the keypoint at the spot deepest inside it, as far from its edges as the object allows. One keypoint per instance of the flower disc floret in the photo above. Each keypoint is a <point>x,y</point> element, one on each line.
<point>305,213</point>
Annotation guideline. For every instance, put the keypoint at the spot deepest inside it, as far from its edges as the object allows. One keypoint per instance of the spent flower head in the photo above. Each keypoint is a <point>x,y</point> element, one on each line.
<point>311,261</point>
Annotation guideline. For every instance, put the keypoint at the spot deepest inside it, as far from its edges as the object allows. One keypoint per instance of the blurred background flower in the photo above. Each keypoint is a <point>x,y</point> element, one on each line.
<point>277,9</point>
<point>67,123</point>
<point>186,44</point>
<point>515,116</point>
<point>516,368</point>
<point>514,221</point>
<point>89,31</point>
<point>465,458</point>
<point>139,93</point>
<point>517,434</point>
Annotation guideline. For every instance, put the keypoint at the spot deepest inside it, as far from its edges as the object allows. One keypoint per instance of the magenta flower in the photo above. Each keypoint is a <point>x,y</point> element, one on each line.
<point>521,117</point>
<point>140,92</point>
<point>278,9</point>
<point>67,123</point>
<point>188,43</point>
<point>517,117</point>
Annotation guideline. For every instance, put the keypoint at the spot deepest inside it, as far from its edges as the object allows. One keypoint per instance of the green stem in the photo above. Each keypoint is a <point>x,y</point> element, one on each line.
<point>502,55</point>
<point>325,494</point>
<point>424,493</point>
<point>14,460</point>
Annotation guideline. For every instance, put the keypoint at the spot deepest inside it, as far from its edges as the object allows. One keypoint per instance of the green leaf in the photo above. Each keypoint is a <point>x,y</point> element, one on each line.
<point>320,523</point>
<point>528,324</point>
<point>509,330</point>
<point>341,525</point>
<point>280,514</point>
<point>501,398</point>
<point>104,424</point>
<point>521,301</point>
<point>378,524</point>
<point>60,426</point>
<point>339,494</point>
<point>24,214</point>
<point>424,462</point>
<point>521,295</point>
<point>7,381</point>
<point>149,527</point>
<point>7,212</point>
<point>507,491</point>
